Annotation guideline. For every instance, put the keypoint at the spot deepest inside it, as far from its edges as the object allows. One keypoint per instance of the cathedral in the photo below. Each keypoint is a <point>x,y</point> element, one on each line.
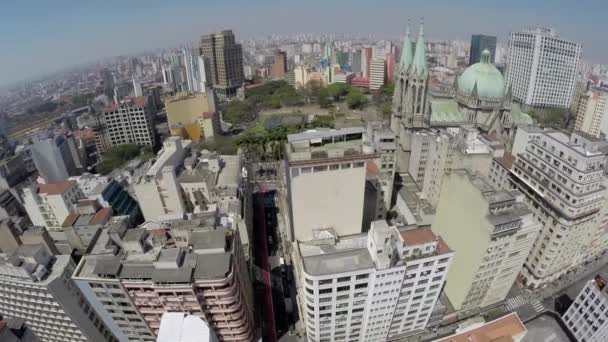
<point>481,100</point>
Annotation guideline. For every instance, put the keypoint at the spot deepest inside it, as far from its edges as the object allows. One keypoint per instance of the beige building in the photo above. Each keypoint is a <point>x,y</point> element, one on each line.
<point>592,112</point>
<point>562,179</point>
<point>192,116</point>
<point>492,234</point>
<point>128,122</point>
<point>327,179</point>
<point>226,62</point>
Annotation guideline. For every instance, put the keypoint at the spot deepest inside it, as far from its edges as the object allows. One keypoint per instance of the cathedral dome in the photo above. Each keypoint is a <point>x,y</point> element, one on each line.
<point>485,77</point>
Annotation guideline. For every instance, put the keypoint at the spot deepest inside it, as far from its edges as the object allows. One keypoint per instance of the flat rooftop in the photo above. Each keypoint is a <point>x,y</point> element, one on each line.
<point>504,329</point>
<point>343,261</point>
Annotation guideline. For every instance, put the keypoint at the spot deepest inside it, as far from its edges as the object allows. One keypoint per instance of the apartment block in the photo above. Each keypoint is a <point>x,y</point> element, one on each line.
<point>130,121</point>
<point>204,275</point>
<point>592,113</point>
<point>542,68</point>
<point>561,178</point>
<point>327,178</point>
<point>492,233</point>
<point>587,317</point>
<point>377,73</point>
<point>37,287</point>
<point>370,287</point>
<point>48,205</point>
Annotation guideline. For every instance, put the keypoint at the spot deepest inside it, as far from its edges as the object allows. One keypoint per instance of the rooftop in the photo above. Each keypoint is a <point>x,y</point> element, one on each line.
<point>505,329</point>
<point>506,160</point>
<point>55,188</point>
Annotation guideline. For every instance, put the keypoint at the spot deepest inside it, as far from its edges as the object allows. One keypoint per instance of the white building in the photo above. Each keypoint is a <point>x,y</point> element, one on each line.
<point>377,73</point>
<point>542,68</point>
<point>157,189</point>
<point>54,159</point>
<point>370,287</point>
<point>182,327</point>
<point>492,233</point>
<point>561,177</point>
<point>48,205</point>
<point>591,114</point>
<point>36,287</point>
<point>587,316</point>
<point>129,122</point>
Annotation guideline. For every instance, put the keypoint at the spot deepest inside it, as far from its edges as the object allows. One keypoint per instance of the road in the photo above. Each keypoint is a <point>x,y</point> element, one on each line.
<point>262,262</point>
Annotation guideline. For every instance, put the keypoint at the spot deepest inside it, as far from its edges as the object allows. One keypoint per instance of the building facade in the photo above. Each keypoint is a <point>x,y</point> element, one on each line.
<point>128,122</point>
<point>37,287</point>
<point>225,62</point>
<point>542,68</point>
<point>279,65</point>
<point>48,205</point>
<point>561,178</point>
<point>586,317</point>
<point>54,159</point>
<point>370,287</point>
<point>377,73</point>
<point>592,113</point>
<point>492,234</point>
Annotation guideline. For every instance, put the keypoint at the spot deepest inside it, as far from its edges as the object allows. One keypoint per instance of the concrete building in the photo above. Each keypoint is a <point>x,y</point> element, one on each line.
<point>492,233</point>
<point>542,68</point>
<point>48,205</point>
<point>182,327</point>
<point>82,227</point>
<point>479,43</point>
<point>370,287</point>
<point>366,62</point>
<point>36,287</point>
<point>201,271</point>
<point>10,205</point>
<point>225,60</point>
<point>54,159</point>
<point>279,65</point>
<point>327,178</point>
<point>377,73</point>
<point>592,113</point>
<point>130,121</point>
<point>500,172</point>
<point>561,177</point>
<point>507,328</point>
<point>192,116</point>
<point>586,317</point>
<point>15,330</point>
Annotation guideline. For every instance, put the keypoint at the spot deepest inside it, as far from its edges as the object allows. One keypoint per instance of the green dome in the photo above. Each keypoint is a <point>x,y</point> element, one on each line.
<point>490,82</point>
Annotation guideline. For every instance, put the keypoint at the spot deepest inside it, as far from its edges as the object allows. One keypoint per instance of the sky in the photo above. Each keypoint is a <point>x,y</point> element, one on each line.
<point>42,36</point>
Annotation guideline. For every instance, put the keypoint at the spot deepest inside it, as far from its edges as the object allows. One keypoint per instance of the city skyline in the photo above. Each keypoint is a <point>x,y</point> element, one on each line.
<point>68,34</point>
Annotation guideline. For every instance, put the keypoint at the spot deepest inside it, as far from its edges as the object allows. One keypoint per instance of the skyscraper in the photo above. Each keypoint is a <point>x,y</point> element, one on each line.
<point>54,159</point>
<point>592,113</point>
<point>542,68</point>
<point>225,60</point>
<point>279,65</point>
<point>377,74</point>
<point>480,42</point>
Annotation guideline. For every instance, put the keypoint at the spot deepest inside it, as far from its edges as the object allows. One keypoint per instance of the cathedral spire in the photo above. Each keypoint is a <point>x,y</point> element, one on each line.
<point>420,54</point>
<point>406,50</point>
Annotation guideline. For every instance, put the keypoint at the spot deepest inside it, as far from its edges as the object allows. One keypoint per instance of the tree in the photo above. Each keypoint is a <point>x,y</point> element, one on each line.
<point>118,156</point>
<point>237,112</point>
<point>355,99</point>
<point>324,100</point>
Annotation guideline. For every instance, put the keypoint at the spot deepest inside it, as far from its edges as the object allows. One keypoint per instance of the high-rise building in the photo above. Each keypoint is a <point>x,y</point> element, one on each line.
<point>377,74</point>
<point>279,65</point>
<point>592,113</point>
<point>327,177</point>
<point>202,272</point>
<point>561,177</point>
<point>54,159</point>
<point>586,316</point>
<point>225,61</point>
<point>108,83</point>
<point>37,287</point>
<point>366,62</point>
<point>542,68</point>
<point>491,232</point>
<point>355,64</point>
<point>370,287</point>
<point>128,122</point>
<point>479,43</point>
<point>390,67</point>
<point>48,205</point>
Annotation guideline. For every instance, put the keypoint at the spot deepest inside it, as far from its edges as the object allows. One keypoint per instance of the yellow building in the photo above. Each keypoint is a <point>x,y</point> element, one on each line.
<point>191,115</point>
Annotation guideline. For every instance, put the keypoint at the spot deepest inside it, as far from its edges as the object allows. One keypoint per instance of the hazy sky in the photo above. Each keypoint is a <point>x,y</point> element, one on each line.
<point>41,36</point>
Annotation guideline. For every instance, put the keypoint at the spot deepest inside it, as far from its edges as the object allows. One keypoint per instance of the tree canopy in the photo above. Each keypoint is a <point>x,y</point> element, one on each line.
<point>119,155</point>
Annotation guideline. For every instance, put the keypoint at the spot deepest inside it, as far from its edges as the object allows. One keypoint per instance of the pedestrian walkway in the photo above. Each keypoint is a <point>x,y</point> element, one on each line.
<point>538,307</point>
<point>515,302</point>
